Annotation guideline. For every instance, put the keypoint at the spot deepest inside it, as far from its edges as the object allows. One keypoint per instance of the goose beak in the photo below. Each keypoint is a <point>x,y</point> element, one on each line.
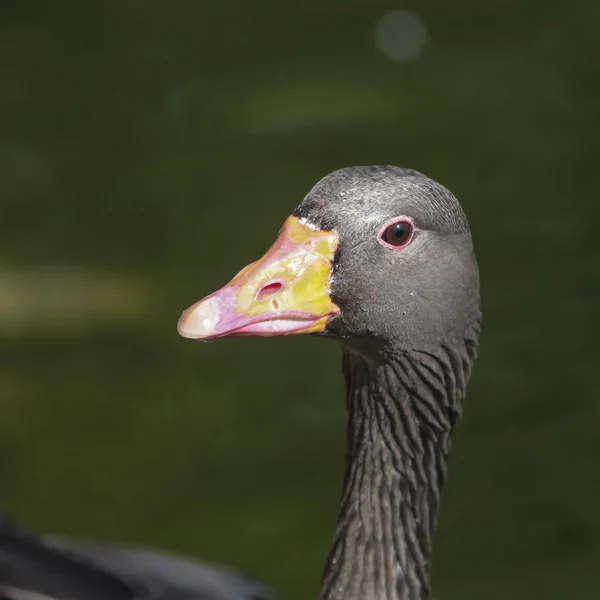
<point>287,291</point>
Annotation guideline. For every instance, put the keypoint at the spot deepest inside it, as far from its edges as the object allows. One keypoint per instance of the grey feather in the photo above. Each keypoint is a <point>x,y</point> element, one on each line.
<point>41,567</point>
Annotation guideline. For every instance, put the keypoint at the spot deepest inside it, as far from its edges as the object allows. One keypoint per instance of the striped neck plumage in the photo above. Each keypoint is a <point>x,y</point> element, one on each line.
<point>401,414</point>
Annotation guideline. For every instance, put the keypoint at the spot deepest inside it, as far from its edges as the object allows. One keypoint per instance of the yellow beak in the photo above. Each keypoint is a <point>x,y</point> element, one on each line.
<point>287,291</point>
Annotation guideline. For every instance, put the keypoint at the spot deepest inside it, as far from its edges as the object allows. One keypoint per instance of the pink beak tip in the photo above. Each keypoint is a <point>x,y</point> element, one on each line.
<point>201,320</point>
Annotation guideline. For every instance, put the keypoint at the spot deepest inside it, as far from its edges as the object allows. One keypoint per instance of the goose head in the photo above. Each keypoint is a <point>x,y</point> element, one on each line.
<point>379,258</point>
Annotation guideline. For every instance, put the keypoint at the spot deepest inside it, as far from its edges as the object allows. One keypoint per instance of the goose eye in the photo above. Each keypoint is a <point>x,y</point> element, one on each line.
<point>398,234</point>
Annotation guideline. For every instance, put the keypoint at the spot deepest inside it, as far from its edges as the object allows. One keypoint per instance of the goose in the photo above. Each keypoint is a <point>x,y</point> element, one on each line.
<point>381,260</point>
<point>45,567</point>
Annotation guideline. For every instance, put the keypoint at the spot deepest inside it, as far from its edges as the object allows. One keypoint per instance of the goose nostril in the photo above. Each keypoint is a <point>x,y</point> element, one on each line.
<point>270,289</point>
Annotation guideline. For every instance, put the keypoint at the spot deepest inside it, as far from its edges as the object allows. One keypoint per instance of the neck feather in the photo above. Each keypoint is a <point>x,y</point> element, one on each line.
<point>401,416</point>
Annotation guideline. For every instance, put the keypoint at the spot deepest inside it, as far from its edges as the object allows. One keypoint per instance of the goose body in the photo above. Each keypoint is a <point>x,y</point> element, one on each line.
<point>381,260</point>
<point>43,567</point>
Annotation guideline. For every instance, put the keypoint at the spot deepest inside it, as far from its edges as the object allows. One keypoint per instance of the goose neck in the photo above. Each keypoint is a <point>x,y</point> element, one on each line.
<point>401,413</point>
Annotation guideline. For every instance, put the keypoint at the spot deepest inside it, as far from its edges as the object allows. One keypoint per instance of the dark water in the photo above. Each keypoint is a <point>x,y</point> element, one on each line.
<point>151,149</point>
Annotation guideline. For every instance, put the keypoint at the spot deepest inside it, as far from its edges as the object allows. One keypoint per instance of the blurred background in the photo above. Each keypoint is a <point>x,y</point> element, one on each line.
<point>151,149</point>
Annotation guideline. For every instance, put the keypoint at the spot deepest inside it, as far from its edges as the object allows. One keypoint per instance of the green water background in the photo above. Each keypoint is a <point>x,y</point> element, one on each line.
<point>151,149</point>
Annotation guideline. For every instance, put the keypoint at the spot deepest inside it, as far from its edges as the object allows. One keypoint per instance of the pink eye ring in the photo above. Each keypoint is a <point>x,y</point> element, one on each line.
<point>397,234</point>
